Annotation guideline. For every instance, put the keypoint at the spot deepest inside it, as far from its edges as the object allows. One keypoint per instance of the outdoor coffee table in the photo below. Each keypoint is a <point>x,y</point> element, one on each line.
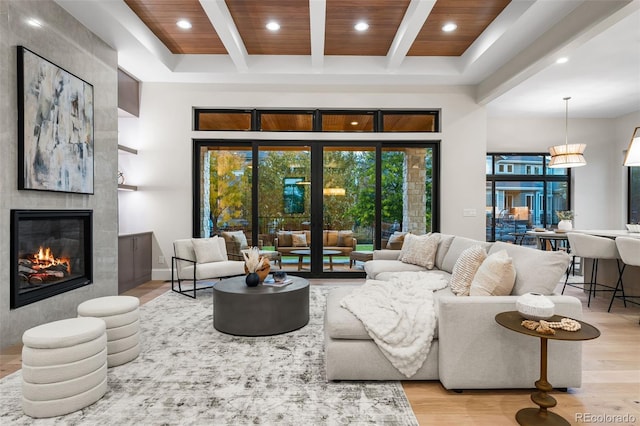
<point>262,310</point>
<point>302,253</point>
<point>541,416</point>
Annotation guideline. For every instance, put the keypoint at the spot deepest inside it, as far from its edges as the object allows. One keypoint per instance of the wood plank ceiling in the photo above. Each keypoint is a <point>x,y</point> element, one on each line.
<point>383,16</point>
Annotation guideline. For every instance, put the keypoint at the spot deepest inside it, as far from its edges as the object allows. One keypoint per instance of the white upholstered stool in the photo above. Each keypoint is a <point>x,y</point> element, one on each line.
<point>64,366</point>
<point>122,318</point>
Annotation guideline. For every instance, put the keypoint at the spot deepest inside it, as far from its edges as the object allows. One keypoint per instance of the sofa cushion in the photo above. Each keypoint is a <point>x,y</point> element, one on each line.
<point>420,250</point>
<point>495,277</point>
<point>345,238</point>
<point>396,240</point>
<point>330,238</point>
<point>298,240</point>
<point>236,236</point>
<point>458,245</point>
<point>342,324</point>
<point>443,248</point>
<point>465,269</point>
<point>375,267</point>
<point>284,239</point>
<point>208,249</point>
<point>538,270</point>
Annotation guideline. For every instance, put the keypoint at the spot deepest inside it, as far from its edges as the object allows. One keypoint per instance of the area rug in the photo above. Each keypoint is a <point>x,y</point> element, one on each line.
<point>190,374</point>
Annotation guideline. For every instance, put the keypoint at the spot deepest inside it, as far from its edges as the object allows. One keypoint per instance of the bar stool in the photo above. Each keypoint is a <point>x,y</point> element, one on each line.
<point>596,248</point>
<point>629,249</point>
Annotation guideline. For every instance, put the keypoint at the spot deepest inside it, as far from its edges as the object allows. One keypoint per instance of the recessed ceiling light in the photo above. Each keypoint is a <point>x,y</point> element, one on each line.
<point>448,27</point>
<point>361,26</point>
<point>273,26</point>
<point>562,60</point>
<point>184,24</point>
<point>354,123</point>
<point>34,22</point>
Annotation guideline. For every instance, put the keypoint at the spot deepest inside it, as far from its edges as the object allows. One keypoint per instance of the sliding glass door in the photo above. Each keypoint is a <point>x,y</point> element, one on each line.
<point>315,207</point>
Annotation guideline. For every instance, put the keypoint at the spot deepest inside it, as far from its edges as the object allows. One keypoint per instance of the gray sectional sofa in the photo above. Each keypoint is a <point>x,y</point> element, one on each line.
<point>470,350</point>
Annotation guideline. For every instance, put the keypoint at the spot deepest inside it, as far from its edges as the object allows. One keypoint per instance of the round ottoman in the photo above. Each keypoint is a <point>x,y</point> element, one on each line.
<point>122,318</point>
<point>64,366</point>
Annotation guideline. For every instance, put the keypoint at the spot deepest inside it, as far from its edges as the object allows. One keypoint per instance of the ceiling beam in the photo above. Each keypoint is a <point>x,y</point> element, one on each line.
<point>220,17</point>
<point>583,23</point>
<point>409,28</point>
<point>317,21</point>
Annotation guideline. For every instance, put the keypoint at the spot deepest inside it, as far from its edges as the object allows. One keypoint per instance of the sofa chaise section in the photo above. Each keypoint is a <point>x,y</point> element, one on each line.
<point>470,349</point>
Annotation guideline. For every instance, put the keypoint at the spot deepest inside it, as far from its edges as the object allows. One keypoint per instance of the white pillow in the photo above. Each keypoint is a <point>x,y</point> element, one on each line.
<point>207,250</point>
<point>465,269</point>
<point>495,277</point>
<point>299,240</point>
<point>421,250</point>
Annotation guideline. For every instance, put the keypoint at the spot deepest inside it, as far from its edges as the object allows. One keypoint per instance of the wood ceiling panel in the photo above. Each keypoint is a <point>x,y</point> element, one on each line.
<point>347,122</point>
<point>251,17</point>
<point>161,17</point>
<point>471,16</point>
<point>383,17</point>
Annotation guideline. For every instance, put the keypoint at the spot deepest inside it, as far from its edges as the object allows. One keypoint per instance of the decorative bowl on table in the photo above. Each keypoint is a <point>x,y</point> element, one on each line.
<point>535,306</point>
<point>631,227</point>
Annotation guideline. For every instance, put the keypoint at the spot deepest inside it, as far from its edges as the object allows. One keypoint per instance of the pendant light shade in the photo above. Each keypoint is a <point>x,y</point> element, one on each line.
<point>633,152</point>
<point>567,155</point>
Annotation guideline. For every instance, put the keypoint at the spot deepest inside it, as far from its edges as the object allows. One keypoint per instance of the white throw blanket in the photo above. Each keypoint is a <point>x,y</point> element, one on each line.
<point>399,316</point>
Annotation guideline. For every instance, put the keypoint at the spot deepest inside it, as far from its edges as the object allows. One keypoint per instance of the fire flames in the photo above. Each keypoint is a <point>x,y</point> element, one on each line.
<point>44,259</point>
<point>43,267</point>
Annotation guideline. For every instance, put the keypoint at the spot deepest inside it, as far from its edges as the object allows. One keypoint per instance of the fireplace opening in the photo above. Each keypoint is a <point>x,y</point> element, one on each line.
<point>51,253</point>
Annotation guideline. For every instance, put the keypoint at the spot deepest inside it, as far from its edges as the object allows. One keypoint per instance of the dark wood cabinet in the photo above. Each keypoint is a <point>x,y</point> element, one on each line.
<point>134,260</point>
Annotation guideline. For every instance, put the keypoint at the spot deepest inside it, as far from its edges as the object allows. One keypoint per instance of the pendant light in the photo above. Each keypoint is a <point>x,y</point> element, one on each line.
<point>633,152</point>
<point>567,155</point>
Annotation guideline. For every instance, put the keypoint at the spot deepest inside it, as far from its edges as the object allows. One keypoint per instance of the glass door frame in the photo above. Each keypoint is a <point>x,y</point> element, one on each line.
<point>317,179</point>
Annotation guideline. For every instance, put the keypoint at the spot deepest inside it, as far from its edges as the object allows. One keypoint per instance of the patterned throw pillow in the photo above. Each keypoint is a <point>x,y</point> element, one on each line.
<point>465,269</point>
<point>421,250</point>
<point>495,277</point>
<point>299,240</point>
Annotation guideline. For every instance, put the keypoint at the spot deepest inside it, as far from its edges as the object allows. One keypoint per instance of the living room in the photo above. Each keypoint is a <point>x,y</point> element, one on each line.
<point>163,136</point>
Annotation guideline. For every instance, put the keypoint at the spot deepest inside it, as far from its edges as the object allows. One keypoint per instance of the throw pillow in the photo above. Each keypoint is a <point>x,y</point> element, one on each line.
<point>345,238</point>
<point>239,237</point>
<point>299,240</point>
<point>396,240</point>
<point>422,250</point>
<point>495,277</point>
<point>465,269</point>
<point>284,239</point>
<point>207,250</point>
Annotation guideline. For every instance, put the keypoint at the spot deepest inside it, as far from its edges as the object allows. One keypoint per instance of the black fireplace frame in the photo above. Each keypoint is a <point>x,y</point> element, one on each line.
<point>17,299</point>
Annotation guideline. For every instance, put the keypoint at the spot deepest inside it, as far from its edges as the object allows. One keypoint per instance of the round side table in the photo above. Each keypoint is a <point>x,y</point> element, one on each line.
<point>262,310</point>
<point>541,416</point>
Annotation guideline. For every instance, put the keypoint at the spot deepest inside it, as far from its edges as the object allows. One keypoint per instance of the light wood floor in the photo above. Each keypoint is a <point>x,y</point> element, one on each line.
<point>610,385</point>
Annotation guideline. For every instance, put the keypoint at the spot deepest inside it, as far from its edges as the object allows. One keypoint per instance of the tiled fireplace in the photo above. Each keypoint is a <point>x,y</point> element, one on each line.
<point>51,253</point>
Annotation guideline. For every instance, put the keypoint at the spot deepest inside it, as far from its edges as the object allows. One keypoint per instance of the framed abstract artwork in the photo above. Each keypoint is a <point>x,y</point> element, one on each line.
<point>55,127</point>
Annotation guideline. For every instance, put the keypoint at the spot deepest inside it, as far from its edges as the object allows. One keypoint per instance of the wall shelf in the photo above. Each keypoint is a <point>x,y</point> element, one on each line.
<point>122,187</point>
<point>127,149</point>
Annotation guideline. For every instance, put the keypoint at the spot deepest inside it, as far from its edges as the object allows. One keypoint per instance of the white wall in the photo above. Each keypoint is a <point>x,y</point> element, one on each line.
<point>599,188</point>
<point>164,163</point>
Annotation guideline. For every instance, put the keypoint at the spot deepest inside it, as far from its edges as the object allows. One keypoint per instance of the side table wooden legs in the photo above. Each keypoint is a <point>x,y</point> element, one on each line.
<point>541,416</point>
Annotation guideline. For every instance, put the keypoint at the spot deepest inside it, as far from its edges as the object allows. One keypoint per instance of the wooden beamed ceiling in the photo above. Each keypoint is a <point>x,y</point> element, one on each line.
<point>294,38</point>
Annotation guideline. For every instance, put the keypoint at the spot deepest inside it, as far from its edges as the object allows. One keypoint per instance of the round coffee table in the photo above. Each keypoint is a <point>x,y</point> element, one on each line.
<point>307,252</point>
<point>262,310</point>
